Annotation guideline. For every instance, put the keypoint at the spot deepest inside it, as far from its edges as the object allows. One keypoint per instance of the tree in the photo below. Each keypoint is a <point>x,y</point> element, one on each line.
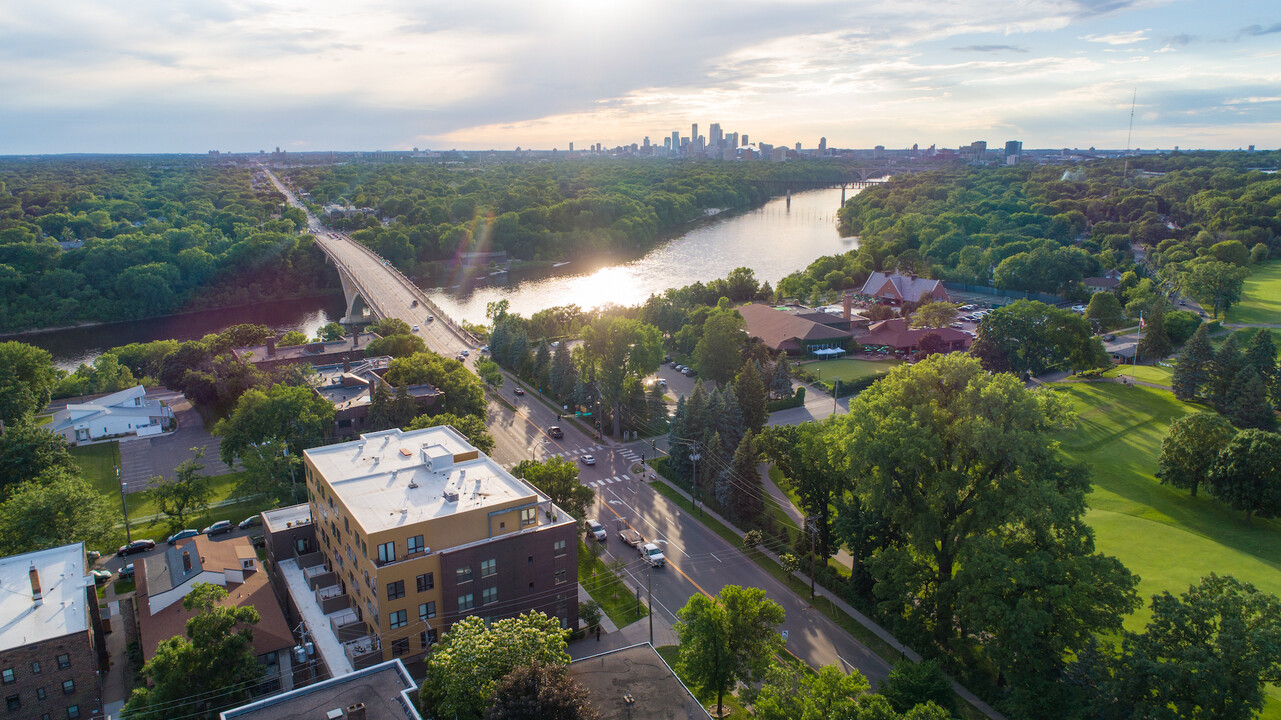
<point>56,508</point>
<point>750,391</point>
<point>792,693</point>
<point>717,353</point>
<point>331,332</point>
<point>1218,282</point>
<point>615,349</point>
<point>272,471</point>
<point>471,658</point>
<point>293,337</point>
<point>210,669</point>
<point>1247,402</point>
<point>27,377</point>
<point>540,692</point>
<point>558,478</point>
<point>489,371</point>
<point>727,639</point>
<point>296,415</point>
<point>463,392</point>
<point>1189,450</point>
<point>1261,354</point>
<point>1154,343</point>
<point>877,313</point>
<point>934,314</point>
<point>396,346</point>
<point>1180,324</point>
<point>1247,473</point>
<point>472,428</point>
<point>1192,370</point>
<point>1030,336</point>
<point>390,326</point>
<point>986,517</point>
<point>1205,654</point>
<point>781,381</point>
<point>744,495</point>
<point>800,453</point>
<point>911,684</point>
<point>27,451</point>
<point>931,343</point>
<point>1104,310</point>
<point>563,376</point>
<point>187,493</point>
<point>403,407</point>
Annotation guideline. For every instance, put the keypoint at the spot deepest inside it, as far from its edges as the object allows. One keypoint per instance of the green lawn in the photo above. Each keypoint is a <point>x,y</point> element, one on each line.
<point>98,466</point>
<point>848,369</point>
<point>612,594</point>
<point>1162,534</point>
<point>1261,297</point>
<point>1145,373</point>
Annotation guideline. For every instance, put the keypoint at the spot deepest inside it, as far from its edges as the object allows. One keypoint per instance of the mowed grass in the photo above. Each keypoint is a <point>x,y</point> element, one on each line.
<point>1261,296</point>
<point>1162,534</point>
<point>850,369</point>
<point>98,466</point>
<point>1154,374</point>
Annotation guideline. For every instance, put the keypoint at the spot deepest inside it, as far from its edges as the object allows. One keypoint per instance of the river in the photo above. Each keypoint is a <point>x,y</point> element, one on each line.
<point>773,240</point>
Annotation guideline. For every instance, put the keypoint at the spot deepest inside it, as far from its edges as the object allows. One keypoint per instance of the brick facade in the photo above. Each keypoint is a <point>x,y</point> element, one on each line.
<point>69,659</point>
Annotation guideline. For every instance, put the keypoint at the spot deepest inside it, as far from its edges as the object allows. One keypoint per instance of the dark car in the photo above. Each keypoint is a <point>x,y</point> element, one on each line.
<point>258,541</point>
<point>126,572</point>
<point>251,521</point>
<point>556,432</point>
<point>182,535</point>
<point>219,528</point>
<point>136,546</point>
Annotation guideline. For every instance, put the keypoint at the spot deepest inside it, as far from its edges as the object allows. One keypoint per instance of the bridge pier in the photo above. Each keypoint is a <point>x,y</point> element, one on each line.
<point>358,310</point>
<point>789,197</point>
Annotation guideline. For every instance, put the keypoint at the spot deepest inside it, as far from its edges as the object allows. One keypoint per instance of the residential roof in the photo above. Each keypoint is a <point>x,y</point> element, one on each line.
<point>62,609</point>
<point>776,328</point>
<point>393,478</point>
<point>908,288</point>
<point>638,671</point>
<point>386,690</point>
<point>1106,282</point>
<point>287,353</point>
<point>280,518</point>
<point>896,333</point>
<point>209,559</point>
<point>130,402</point>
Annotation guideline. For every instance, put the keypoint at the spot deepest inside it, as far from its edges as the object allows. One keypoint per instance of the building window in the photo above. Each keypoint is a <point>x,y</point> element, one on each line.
<point>396,590</point>
<point>558,548</point>
<point>68,687</point>
<point>73,712</point>
<point>14,702</point>
<point>427,610</point>
<point>463,574</point>
<point>64,661</point>
<point>488,595</point>
<point>488,567</point>
<point>466,602</point>
<point>40,693</point>
<point>400,646</point>
<point>387,552</point>
<point>35,668</point>
<point>426,581</point>
<point>528,516</point>
<point>7,676</point>
<point>560,576</point>
<point>399,619</point>
<point>415,544</point>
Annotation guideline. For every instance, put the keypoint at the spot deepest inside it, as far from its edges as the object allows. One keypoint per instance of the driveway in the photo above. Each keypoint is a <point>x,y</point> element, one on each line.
<point>143,458</point>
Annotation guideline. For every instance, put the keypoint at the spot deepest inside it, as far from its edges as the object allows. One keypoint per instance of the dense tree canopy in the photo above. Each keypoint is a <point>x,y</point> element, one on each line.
<point>727,639</point>
<point>287,413</point>
<point>55,508</point>
<point>27,377</point>
<point>1030,336</point>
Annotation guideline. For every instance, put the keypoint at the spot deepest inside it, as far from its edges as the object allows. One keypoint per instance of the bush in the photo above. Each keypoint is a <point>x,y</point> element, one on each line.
<point>1180,324</point>
<point>796,400</point>
<point>590,613</point>
<point>911,684</point>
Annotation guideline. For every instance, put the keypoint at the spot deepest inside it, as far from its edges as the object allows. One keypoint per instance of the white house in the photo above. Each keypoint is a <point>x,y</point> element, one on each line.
<point>121,414</point>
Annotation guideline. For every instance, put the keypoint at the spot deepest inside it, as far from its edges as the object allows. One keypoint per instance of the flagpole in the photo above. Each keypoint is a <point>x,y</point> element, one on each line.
<point>1135,365</point>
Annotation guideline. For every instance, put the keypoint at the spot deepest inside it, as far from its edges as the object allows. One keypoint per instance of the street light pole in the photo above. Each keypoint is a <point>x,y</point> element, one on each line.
<point>124,505</point>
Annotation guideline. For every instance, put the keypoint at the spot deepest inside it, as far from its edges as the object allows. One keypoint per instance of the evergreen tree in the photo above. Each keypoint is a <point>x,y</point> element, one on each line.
<point>403,409</point>
<point>542,366</point>
<point>1192,371</point>
<point>750,390</point>
<point>562,375</point>
<point>696,413</point>
<point>1261,354</point>
<point>1247,402</point>
<point>711,462</point>
<point>656,409</point>
<point>729,421</point>
<point>583,395</point>
<point>781,382</point>
<point>746,495</point>
<point>379,415</point>
<point>678,459</point>
<point>1223,371</point>
<point>1155,343</point>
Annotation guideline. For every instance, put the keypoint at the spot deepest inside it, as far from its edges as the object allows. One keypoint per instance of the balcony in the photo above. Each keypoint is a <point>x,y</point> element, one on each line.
<point>332,599</point>
<point>318,576</point>
<point>363,652</point>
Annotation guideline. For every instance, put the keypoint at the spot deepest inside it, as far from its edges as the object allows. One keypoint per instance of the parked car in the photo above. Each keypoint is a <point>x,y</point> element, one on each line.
<point>126,572</point>
<point>484,348</point>
<point>136,546</point>
<point>689,372</point>
<point>520,390</point>
<point>588,459</point>
<point>251,521</point>
<point>182,535</point>
<point>597,531</point>
<point>93,555</point>
<point>219,528</point>
<point>258,541</point>
<point>100,576</point>
<point>556,432</point>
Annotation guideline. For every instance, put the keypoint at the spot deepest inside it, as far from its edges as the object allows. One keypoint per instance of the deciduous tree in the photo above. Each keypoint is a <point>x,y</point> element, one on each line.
<point>1247,474</point>
<point>185,494</point>
<point>295,415</point>
<point>472,428</point>
<point>1218,282</point>
<point>727,639</point>
<point>29,450</point>
<point>616,348</point>
<point>463,392</point>
<point>1030,336</point>
<point>1191,447</point>
<point>558,478</point>
<point>540,692</point>
<point>934,315</point>
<point>717,353</point>
<point>27,377</point>
<point>55,508</point>
<point>1104,310</point>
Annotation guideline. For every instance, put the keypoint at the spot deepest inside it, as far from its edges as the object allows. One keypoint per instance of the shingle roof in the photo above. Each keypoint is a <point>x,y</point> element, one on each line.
<point>775,327</point>
<point>896,334</point>
<point>909,288</point>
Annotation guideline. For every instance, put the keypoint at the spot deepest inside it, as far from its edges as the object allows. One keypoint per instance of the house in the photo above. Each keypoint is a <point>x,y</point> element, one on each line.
<point>267,356</point>
<point>635,682</point>
<point>413,531</point>
<point>791,333</point>
<point>380,692</point>
<point>895,288</point>
<point>166,578</point>
<point>349,387</point>
<point>896,334</point>
<point>1101,284</point>
<point>51,640</point>
<point>117,415</point>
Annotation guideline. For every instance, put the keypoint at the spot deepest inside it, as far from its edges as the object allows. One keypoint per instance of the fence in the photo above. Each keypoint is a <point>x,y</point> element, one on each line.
<point>1002,292</point>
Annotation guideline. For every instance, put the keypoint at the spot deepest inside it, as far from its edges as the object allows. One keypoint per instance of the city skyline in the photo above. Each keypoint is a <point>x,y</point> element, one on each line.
<point>241,76</point>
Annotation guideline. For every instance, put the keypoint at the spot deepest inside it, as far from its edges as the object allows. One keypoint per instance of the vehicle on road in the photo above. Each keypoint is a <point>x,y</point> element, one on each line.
<point>182,535</point>
<point>466,353</point>
<point>431,318</point>
<point>597,531</point>
<point>251,521</point>
<point>652,555</point>
<point>520,390</point>
<point>413,304</point>
<point>414,328</point>
<point>631,537</point>
<point>126,572</point>
<point>556,432</point>
<point>588,459</point>
<point>219,528</point>
<point>136,546</point>
<point>100,576</point>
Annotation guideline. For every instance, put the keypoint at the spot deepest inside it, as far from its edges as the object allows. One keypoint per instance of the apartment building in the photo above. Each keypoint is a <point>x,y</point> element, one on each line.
<point>416,530</point>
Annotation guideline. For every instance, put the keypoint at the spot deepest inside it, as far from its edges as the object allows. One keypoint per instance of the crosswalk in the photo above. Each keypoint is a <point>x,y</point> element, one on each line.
<point>574,452</point>
<point>606,481</point>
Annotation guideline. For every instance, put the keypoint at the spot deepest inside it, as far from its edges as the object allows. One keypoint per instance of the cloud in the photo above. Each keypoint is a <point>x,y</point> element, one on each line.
<point>1256,30</point>
<point>990,48</point>
<point>1121,38</point>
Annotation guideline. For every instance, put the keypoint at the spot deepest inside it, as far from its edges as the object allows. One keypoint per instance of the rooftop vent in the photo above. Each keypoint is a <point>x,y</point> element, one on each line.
<point>356,712</point>
<point>36,594</point>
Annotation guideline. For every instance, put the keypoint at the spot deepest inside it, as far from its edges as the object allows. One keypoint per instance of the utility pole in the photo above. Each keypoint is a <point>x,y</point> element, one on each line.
<point>649,601</point>
<point>836,394</point>
<point>694,456</point>
<point>124,505</point>
<point>813,528</point>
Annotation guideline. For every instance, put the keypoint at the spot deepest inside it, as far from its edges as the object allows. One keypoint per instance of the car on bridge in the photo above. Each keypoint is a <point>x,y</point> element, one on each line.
<point>414,328</point>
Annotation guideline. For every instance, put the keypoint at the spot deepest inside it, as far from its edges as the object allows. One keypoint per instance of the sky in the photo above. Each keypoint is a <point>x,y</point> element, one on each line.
<point>124,76</point>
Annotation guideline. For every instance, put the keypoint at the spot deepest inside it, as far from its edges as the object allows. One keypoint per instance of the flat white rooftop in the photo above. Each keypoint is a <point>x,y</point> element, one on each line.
<point>61,610</point>
<point>394,479</point>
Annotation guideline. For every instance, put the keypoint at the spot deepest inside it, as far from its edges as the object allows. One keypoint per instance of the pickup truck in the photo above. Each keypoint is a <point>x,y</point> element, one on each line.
<point>631,537</point>
<point>651,554</point>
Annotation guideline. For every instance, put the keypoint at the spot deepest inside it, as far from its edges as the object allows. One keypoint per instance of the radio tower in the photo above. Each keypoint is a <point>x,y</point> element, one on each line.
<point>1126,170</point>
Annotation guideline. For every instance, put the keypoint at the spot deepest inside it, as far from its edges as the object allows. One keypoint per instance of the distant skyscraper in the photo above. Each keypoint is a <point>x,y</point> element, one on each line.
<point>714,135</point>
<point>693,132</point>
<point>646,141</point>
<point>676,141</point>
<point>571,146</point>
<point>745,138</point>
<point>1013,149</point>
<point>822,146</point>
<point>733,141</point>
<point>798,147</point>
<point>667,143</point>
